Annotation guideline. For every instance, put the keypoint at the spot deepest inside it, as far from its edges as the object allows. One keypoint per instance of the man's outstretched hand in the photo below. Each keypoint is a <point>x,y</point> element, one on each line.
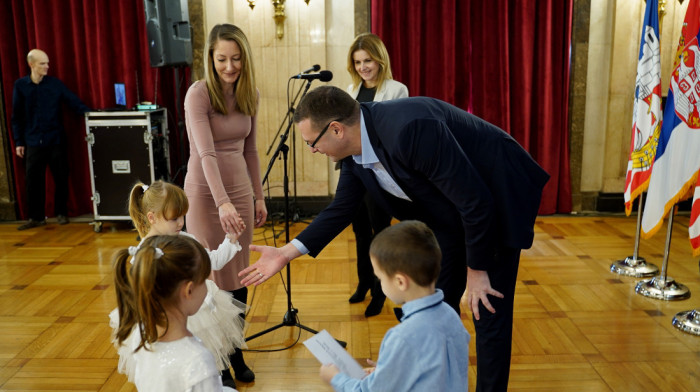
<point>271,261</point>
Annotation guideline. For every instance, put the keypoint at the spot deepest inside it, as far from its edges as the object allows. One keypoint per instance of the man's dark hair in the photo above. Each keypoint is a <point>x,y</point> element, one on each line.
<point>327,103</point>
<point>408,247</point>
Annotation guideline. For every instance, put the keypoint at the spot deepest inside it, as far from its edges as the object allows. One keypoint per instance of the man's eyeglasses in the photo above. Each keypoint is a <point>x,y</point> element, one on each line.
<point>313,144</point>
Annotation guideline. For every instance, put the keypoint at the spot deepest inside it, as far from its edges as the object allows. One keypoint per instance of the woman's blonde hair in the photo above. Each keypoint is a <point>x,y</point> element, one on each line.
<point>162,198</point>
<point>376,50</point>
<point>147,287</point>
<point>246,93</point>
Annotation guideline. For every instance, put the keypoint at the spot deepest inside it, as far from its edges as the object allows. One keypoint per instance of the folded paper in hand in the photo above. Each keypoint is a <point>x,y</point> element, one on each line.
<point>327,350</point>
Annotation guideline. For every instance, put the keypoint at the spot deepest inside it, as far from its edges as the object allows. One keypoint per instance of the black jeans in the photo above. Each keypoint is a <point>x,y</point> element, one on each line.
<point>37,159</point>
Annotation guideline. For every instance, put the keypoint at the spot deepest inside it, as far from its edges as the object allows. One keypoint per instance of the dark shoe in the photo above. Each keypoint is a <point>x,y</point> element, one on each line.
<point>227,378</point>
<point>62,219</point>
<point>229,383</point>
<point>375,305</point>
<point>242,371</point>
<point>31,224</point>
<point>359,294</point>
<point>246,375</point>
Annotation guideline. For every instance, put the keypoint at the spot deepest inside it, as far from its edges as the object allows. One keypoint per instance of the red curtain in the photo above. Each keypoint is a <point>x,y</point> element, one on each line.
<point>506,61</point>
<point>91,44</point>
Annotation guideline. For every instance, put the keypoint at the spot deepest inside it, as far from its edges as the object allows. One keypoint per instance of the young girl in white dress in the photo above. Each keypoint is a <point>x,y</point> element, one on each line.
<point>155,296</point>
<point>159,209</point>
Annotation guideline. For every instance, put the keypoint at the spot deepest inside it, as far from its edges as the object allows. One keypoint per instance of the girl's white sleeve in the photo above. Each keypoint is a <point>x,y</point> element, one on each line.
<point>223,254</point>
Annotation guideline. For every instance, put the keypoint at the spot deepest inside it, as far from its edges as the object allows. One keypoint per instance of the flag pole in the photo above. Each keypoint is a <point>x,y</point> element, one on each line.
<point>662,286</point>
<point>634,265</point>
<point>646,123</point>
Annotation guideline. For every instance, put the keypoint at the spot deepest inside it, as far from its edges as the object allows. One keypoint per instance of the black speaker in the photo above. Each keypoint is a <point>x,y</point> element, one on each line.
<point>168,31</point>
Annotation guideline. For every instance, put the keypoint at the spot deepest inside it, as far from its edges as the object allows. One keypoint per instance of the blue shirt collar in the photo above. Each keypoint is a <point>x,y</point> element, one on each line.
<point>368,156</point>
<point>415,306</point>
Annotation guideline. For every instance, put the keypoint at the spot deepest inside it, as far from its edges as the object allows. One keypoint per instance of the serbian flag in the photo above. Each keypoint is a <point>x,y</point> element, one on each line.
<point>674,176</point>
<point>646,117</point>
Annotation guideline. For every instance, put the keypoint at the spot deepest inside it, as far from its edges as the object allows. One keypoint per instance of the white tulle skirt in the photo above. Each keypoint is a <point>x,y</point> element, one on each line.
<point>217,324</point>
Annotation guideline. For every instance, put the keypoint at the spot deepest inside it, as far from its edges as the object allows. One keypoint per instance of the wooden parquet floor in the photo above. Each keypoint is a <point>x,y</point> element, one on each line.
<point>578,327</point>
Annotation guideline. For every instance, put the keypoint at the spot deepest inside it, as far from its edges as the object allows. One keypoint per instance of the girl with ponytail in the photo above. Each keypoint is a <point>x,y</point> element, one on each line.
<point>156,294</point>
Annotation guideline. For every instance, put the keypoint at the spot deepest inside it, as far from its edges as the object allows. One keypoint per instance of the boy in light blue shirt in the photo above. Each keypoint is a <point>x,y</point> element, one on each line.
<point>429,350</point>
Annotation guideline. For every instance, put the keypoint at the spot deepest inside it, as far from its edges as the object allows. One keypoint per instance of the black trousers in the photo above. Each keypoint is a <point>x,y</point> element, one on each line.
<point>37,160</point>
<point>369,220</point>
<point>494,331</point>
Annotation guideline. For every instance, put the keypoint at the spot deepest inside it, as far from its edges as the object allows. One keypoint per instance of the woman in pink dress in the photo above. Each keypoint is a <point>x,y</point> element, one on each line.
<point>223,173</point>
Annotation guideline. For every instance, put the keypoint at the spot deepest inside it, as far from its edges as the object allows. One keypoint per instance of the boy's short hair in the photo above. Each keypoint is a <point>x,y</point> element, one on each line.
<point>408,247</point>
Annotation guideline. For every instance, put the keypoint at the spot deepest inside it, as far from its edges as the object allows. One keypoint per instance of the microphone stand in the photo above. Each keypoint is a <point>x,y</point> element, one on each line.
<point>290,317</point>
<point>291,107</point>
<point>288,119</point>
<point>290,111</point>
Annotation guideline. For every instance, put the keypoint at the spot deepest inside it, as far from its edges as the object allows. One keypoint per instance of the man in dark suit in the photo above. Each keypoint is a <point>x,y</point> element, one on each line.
<point>423,159</point>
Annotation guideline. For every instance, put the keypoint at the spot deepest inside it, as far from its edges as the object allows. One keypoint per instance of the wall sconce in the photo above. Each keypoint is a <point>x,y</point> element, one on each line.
<point>662,8</point>
<point>662,11</point>
<point>279,16</point>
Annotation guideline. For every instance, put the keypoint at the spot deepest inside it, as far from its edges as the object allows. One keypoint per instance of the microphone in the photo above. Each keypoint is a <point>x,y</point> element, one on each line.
<point>324,76</point>
<point>315,68</point>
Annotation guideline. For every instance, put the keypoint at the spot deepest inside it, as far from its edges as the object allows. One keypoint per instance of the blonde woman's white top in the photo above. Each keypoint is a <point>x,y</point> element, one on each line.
<point>391,89</point>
